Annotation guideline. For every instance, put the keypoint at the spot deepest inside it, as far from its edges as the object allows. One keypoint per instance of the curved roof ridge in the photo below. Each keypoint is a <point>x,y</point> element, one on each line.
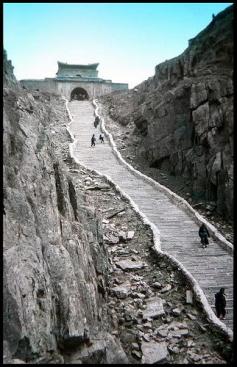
<point>88,66</point>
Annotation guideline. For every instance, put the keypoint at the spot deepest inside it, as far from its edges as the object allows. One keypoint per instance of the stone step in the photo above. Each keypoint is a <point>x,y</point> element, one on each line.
<point>212,267</point>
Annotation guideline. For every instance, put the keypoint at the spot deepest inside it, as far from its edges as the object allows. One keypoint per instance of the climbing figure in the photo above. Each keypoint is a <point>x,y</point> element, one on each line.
<point>101,137</point>
<point>204,234</point>
<point>220,304</point>
<point>97,121</point>
<point>93,139</point>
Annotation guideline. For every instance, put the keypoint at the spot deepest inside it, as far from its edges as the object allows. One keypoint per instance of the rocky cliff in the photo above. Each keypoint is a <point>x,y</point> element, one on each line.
<point>182,117</point>
<point>80,275</point>
<point>55,262</point>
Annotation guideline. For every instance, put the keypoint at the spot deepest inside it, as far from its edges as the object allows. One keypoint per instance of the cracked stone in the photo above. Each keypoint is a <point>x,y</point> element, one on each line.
<point>166,288</point>
<point>173,349</point>
<point>191,317</point>
<point>146,337</point>
<point>156,285</point>
<point>154,308</point>
<point>154,352</point>
<point>176,311</point>
<point>130,265</point>
<point>163,333</point>
<point>135,346</point>
<point>122,291</point>
<point>195,357</point>
<point>122,236</point>
<point>137,354</point>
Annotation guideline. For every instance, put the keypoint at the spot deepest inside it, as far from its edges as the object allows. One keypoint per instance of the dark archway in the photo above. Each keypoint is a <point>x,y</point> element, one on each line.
<point>79,94</point>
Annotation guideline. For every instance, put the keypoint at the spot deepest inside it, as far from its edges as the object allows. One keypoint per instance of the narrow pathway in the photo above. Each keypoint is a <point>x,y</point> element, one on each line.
<point>211,267</point>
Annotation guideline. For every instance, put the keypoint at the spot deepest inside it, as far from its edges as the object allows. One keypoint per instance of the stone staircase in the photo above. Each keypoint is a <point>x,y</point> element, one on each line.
<point>212,267</point>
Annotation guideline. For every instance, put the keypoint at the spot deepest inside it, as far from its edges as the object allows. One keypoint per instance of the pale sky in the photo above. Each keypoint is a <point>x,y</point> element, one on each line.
<point>127,39</point>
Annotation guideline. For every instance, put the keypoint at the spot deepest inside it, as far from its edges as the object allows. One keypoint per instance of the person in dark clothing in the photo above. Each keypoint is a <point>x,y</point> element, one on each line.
<point>101,138</point>
<point>220,304</point>
<point>204,234</point>
<point>93,139</point>
<point>97,121</point>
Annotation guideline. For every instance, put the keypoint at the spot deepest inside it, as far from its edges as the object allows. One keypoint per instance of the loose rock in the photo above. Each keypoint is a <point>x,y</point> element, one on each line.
<point>154,352</point>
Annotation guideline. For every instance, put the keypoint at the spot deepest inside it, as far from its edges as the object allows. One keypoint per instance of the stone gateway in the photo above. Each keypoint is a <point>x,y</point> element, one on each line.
<point>75,81</point>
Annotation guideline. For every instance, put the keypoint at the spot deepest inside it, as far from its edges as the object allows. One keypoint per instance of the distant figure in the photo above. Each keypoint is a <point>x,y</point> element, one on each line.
<point>101,137</point>
<point>204,234</point>
<point>93,139</point>
<point>220,304</point>
<point>97,121</point>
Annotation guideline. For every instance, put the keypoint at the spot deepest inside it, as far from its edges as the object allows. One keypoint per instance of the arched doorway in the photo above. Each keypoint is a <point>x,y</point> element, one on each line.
<point>79,94</point>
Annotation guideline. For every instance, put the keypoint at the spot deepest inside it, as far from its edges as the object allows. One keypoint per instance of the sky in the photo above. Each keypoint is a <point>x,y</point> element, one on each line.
<point>127,39</point>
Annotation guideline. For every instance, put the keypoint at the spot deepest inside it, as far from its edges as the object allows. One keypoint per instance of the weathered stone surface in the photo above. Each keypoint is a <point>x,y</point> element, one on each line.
<point>103,350</point>
<point>135,346</point>
<point>162,332</point>
<point>176,311</point>
<point>137,354</point>
<point>178,333</point>
<point>122,290</point>
<point>122,236</point>
<point>154,308</point>
<point>191,317</point>
<point>55,262</point>
<point>189,296</point>
<point>130,265</point>
<point>8,75</point>
<point>130,235</point>
<point>111,239</point>
<point>183,115</point>
<point>17,361</point>
<point>167,288</point>
<point>157,285</point>
<point>154,352</point>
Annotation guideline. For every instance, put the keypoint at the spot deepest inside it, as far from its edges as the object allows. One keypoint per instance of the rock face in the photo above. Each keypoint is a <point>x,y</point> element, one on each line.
<point>54,256</point>
<point>8,75</point>
<point>183,116</point>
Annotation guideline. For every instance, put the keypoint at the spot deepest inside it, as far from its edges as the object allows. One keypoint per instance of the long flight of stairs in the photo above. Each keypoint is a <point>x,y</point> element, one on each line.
<point>211,267</point>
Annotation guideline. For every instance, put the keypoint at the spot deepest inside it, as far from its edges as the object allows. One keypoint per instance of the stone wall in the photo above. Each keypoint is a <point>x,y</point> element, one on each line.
<point>94,89</point>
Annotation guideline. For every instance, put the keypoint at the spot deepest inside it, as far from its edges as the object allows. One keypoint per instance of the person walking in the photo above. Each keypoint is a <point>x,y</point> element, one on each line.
<point>93,139</point>
<point>97,121</point>
<point>101,137</point>
<point>220,304</point>
<point>204,234</point>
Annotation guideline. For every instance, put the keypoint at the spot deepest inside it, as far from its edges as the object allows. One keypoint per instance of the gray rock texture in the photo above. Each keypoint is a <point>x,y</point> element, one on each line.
<point>182,118</point>
<point>55,262</point>
<point>8,75</point>
<point>154,308</point>
<point>154,352</point>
